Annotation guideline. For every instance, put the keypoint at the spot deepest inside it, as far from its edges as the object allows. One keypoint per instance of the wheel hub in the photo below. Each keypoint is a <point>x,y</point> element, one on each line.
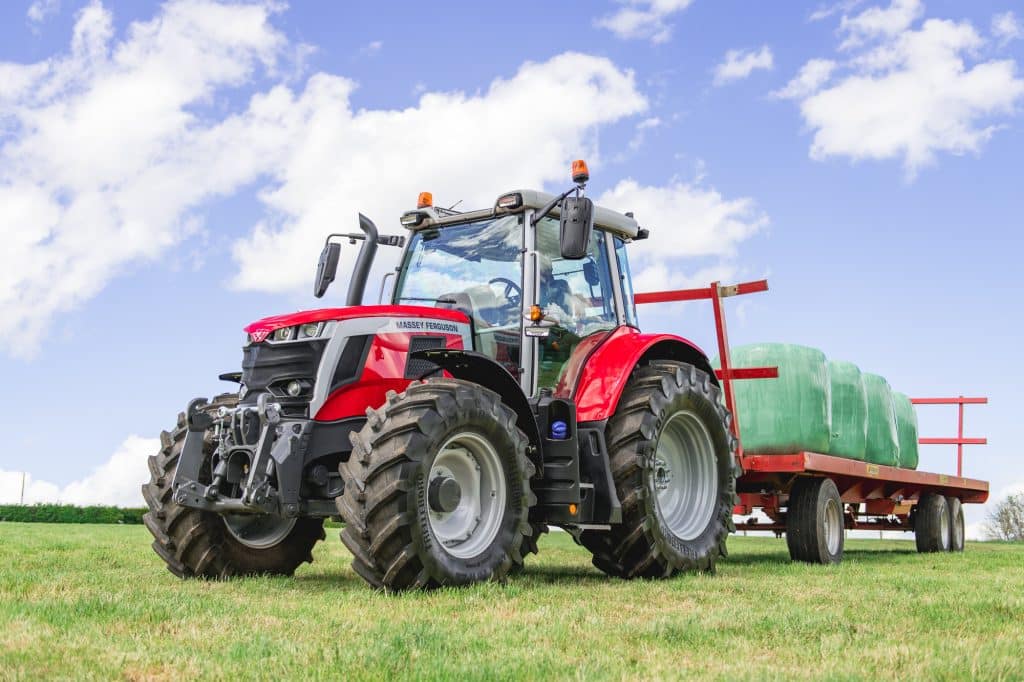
<point>466,493</point>
<point>258,531</point>
<point>684,475</point>
<point>444,494</point>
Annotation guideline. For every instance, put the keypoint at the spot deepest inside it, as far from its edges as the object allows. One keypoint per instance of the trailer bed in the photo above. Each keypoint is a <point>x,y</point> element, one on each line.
<point>857,481</point>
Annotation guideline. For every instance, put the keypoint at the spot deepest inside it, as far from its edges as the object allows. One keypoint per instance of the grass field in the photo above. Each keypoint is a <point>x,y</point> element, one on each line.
<point>95,602</point>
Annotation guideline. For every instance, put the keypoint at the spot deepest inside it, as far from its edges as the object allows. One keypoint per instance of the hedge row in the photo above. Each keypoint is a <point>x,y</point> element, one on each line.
<point>66,513</point>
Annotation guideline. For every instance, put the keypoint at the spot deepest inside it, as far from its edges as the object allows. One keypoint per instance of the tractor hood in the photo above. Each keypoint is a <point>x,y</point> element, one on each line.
<point>261,329</point>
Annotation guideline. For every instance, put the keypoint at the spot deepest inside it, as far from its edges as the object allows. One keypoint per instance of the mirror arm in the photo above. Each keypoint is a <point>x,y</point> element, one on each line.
<point>542,213</point>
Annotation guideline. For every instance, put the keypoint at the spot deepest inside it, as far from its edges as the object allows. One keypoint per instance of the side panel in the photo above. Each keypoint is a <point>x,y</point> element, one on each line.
<point>385,366</point>
<point>608,364</point>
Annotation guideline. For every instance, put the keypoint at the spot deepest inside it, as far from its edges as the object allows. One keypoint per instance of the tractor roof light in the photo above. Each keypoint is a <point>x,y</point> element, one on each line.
<point>580,172</point>
<point>412,218</point>
<point>509,202</point>
<point>425,200</point>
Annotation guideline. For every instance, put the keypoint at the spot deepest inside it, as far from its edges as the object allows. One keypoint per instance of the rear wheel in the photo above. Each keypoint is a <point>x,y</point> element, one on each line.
<point>931,523</point>
<point>195,543</point>
<point>814,522</point>
<point>437,489</point>
<point>956,524</point>
<point>673,458</point>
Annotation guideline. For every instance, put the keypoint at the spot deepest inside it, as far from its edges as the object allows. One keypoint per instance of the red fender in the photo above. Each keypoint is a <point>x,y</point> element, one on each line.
<point>603,365</point>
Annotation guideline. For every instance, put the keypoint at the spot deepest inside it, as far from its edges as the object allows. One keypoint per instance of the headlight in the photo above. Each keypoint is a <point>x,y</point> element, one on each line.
<point>284,334</point>
<point>310,330</point>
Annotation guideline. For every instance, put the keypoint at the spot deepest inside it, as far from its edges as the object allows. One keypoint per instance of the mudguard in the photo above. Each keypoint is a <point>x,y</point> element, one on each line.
<point>601,369</point>
<point>476,367</point>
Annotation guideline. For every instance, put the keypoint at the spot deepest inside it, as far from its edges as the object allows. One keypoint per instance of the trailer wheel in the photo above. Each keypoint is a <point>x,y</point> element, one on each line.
<point>814,521</point>
<point>931,523</point>
<point>673,457</point>
<point>437,489</point>
<point>196,543</point>
<point>956,524</point>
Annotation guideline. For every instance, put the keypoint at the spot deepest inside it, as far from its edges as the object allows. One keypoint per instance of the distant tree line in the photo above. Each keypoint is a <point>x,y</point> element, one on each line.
<point>67,513</point>
<point>1006,521</point>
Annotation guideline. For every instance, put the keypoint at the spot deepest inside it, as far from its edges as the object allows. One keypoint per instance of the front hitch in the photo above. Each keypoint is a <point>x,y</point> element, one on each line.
<point>279,450</point>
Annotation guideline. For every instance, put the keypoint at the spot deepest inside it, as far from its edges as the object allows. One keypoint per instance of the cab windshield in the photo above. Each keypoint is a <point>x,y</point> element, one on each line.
<point>476,268</point>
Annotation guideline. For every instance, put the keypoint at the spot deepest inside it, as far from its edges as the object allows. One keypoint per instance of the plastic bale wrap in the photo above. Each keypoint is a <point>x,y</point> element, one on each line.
<point>906,430</point>
<point>883,446</point>
<point>788,414</point>
<point>849,411</point>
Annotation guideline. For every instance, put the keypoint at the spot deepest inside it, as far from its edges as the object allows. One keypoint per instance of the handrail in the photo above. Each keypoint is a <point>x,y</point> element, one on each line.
<point>959,441</point>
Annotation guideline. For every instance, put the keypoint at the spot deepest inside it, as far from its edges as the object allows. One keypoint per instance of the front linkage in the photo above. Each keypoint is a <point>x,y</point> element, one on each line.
<point>255,447</point>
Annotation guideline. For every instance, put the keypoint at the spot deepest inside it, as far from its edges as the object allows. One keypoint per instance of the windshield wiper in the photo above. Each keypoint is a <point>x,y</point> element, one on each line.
<point>429,300</point>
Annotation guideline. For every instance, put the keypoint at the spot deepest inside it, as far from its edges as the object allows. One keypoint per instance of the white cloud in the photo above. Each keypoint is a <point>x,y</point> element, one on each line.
<point>339,161</point>
<point>877,22</point>
<point>41,10</point>
<point>372,48</point>
<point>739,64</point>
<point>109,151</point>
<point>1006,27</point>
<point>643,19</point>
<point>686,220</point>
<point>117,481</point>
<point>826,11</point>
<point>104,154</point>
<point>905,92</point>
<point>811,77</point>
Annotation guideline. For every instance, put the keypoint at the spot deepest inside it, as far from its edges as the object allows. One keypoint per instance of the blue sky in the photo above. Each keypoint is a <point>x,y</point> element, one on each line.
<point>167,172</point>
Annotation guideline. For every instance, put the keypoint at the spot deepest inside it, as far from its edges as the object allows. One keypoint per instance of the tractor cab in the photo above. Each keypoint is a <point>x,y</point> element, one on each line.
<point>529,303</point>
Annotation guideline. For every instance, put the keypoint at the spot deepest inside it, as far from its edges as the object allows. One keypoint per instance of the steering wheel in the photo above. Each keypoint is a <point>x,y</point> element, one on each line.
<point>513,292</point>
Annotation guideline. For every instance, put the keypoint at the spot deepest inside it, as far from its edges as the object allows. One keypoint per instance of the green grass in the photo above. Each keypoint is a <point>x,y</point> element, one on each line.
<point>95,602</point>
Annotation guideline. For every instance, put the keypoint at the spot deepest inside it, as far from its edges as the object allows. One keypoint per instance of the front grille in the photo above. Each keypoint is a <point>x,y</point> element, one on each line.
<point>266,365</point>
<point>416,368</point>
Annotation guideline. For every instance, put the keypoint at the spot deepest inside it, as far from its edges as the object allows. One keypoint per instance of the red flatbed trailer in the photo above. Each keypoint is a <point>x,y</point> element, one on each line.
<point>795,490</point>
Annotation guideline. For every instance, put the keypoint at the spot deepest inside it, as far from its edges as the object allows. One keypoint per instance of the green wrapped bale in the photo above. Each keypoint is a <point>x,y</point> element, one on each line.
<point>787,414</point>
<point>849,411</point>
<point>883,445</point>
<point>906,430</point>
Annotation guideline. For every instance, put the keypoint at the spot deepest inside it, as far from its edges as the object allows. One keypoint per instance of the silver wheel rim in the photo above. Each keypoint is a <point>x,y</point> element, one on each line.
<point>470,527</point>
<point>258,531</point>
<point>833,526</point>
<point>685,475</point>
<point>958,529</point>
<point>944,530</point>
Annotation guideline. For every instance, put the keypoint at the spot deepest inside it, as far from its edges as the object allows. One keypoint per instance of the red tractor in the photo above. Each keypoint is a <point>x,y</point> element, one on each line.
<point>506,387</point>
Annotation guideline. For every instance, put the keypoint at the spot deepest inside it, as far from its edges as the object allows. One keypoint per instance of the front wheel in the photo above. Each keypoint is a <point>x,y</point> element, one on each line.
<point>437,489</point>
<point>196,543</point>
<point>673,457</point>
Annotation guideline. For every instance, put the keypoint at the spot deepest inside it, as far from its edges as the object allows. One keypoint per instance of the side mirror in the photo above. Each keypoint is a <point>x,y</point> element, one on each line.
<point>326,268</point>
<point>577,222</point>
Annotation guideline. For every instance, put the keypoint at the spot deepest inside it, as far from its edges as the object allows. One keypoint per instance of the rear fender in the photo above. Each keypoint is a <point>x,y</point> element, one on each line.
<point>608,365</point>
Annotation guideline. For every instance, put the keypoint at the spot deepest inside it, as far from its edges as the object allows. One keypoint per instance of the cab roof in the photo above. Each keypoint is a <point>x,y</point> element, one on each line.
<point>604,218</point>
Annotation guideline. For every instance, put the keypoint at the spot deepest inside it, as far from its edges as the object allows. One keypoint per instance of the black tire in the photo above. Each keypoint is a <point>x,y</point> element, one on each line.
<point>931,523</point>
<point>644,545</point>
<point>385,504</point>
<point>956,524</point>
<point>195,543</point>
<point>814,521</point>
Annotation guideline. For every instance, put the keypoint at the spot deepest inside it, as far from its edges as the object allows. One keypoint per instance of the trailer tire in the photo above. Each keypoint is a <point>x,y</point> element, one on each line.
<point>814,521</point>
<point>931,523</point>
<point>394,528</point>
<point>660,533</point>
<point>197,543</point>
<point>956,524</point>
